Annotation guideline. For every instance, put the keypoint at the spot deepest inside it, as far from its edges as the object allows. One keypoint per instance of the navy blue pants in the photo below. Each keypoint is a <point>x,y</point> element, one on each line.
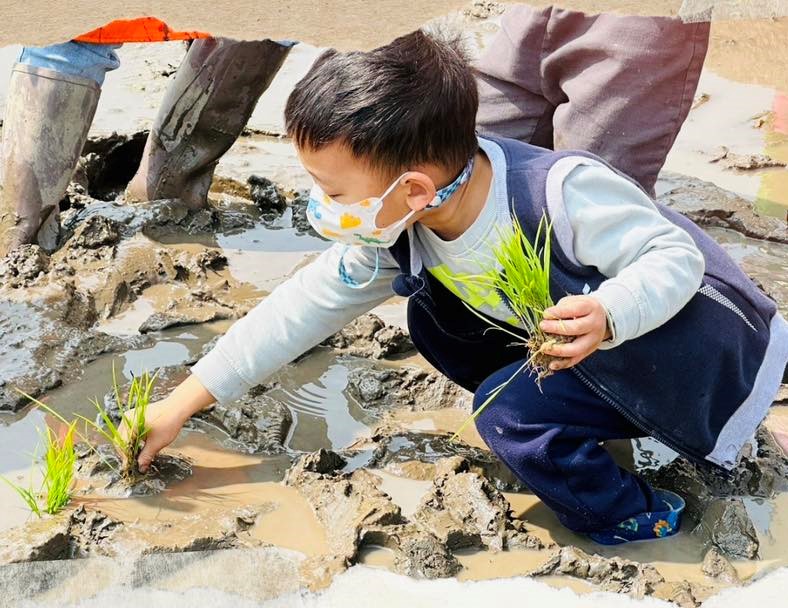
<point>550,439</point>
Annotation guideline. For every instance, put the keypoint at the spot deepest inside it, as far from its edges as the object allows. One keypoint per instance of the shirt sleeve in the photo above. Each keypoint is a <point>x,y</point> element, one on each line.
<point>653,266</point>
<point>299,314</point>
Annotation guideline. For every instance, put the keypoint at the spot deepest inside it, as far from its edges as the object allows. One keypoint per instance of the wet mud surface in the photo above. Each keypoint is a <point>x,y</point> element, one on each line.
<point>343,456</point>
<point>355,435</point>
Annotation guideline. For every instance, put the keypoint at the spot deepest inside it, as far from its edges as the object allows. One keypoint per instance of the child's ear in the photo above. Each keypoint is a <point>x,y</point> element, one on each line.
<point>420,190</point>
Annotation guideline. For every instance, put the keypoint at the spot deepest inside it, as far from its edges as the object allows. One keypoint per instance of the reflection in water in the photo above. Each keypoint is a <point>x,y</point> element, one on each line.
<point>747,120</point>
<point>150,359</point>
<point>650,453</point>
<point>324,415</point>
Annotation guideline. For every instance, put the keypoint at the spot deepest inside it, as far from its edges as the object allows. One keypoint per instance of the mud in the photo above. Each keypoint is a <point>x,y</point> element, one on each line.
<point>256,422</point>
<point>715,499</point>
<point>461,510</point>
<point>100,471</point>
<point>622,576</point>
<point>484,9</point>
<point>47,337</point>
<point>346,504</point>
<point>413,388</point>
<point>368,336</point>
<point>261,422</point>
<point>416,455</point>
<point>23,265</point>
<point>108,258</point>
<point>762,260</point>
<point>717,566</point>
<point>86,532</point>
<point>708,205</point>
<point>745,162</point>
<point>465,510</point>
<point>247,474</point>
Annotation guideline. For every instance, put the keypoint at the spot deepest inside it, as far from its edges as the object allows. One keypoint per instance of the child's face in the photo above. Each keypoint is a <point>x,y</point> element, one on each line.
<point>347,180</point>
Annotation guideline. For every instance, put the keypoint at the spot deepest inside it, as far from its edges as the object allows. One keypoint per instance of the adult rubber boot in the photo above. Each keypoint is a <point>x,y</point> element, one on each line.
<point>47,118</point>
<point>204,111</point>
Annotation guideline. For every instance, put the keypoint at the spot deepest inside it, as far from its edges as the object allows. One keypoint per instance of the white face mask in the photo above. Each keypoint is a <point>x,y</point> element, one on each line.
<point>355,223</point>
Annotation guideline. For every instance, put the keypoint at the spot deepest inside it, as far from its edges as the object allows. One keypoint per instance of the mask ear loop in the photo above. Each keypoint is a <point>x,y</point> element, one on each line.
<point>444,193</point>
<point>350,281</point>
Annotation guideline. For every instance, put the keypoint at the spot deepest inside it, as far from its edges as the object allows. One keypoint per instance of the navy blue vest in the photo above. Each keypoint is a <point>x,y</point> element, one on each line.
<point>680,383</point>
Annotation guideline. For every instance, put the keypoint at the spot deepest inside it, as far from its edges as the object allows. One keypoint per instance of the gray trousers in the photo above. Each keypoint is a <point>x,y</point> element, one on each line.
<point>615,85</point>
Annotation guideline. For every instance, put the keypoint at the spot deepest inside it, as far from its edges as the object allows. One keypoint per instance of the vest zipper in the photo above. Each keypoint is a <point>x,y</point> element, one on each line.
<point>656,435</point>
<point>597,391</point>
<point>506,302</point>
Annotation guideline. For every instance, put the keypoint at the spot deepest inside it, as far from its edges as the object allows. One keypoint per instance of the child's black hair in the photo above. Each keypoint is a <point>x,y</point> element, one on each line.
<point>408,103</point>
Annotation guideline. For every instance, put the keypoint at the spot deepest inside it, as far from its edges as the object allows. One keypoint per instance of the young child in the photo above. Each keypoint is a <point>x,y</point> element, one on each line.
<point>671,338</point>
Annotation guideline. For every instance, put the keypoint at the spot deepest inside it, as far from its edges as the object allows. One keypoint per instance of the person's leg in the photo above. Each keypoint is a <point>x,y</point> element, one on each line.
<point>511,103</point>
<point>52,97</point>
<point>622,85</point>
<point>615,85</point>
<point>204,111</point>
<point>91,61</point>
<point>550,439</point>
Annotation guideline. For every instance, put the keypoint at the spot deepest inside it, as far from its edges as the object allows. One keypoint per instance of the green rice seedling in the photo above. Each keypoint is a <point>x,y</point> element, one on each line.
<point>58,474</point>
<point>127,442</point>
<point>521,275</point>
<point>27,494</point>
<point>59,460</point>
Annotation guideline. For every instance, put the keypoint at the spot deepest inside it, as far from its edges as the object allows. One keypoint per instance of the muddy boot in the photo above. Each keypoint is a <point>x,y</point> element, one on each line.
<point>47,118</point>
<point>214,93</point>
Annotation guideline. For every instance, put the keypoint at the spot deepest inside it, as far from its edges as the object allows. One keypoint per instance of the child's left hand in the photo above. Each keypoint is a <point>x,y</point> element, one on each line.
<point>580,316</point>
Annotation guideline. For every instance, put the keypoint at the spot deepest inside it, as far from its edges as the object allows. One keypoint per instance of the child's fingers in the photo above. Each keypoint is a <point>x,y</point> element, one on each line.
<point>578,347</point>
<point>569,327</point>
<point>566,363</point>
<point>570,307</point>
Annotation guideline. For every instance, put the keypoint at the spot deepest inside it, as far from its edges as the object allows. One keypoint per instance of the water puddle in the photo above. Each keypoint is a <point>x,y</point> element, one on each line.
<point>764,261</point>
<point>223,481</point>
<point>324,414</point>
<point>745,119</point>
<point>265,256</point>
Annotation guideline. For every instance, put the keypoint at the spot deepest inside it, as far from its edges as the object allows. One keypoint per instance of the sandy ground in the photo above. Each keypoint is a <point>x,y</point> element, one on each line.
<point>346,23</point>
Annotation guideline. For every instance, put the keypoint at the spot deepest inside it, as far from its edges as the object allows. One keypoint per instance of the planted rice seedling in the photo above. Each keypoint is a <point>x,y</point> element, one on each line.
<point>521,275</point>
<point>127,442</point>
<point>128,439</point>
<point>58,474</point>
<point>59,460</point>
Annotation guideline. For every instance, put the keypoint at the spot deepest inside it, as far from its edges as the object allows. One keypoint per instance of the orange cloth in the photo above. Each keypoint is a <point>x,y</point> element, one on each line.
<point>142,29</point>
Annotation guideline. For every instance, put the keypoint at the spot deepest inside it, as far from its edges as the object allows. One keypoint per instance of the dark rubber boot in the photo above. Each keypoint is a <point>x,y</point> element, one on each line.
<point>47,118</point>
<point>207,106</point>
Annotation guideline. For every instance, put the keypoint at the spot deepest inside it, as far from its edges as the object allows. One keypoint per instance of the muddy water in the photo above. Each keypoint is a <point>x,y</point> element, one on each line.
<point>678,558</point>
<point>743,112</point>
<point>747,119</point>
<point>323,415</point>
<point>222,481</point>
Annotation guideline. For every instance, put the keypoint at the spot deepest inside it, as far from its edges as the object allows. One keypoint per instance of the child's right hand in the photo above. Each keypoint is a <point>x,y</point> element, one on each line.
<point>164,421</point>
<point>166,418</point>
